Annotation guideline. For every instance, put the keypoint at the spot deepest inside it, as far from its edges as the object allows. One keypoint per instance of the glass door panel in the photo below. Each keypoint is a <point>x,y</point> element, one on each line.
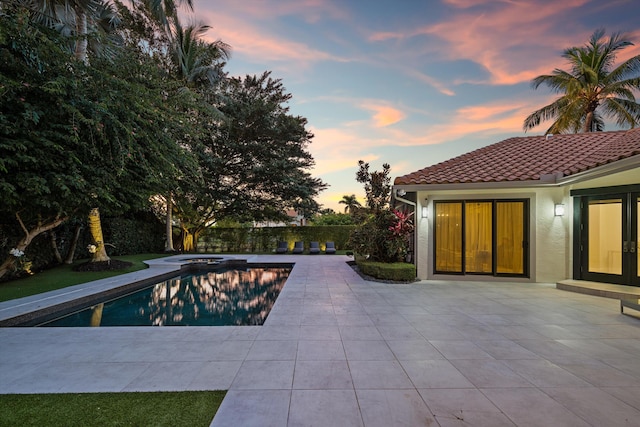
<point>448,237</point>
<point>478,237</point>
<point>510,237</point>
<point>605,236</point>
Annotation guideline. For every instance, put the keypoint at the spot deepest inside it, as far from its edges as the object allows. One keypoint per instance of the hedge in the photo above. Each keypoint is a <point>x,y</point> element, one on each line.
<point>265,239</point>
<point>397,271</point>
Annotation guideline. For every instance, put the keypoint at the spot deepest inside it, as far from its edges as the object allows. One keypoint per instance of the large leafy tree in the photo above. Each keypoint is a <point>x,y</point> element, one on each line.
<point>106,143</point>
<point>594,89</point>
<point>254,163</point>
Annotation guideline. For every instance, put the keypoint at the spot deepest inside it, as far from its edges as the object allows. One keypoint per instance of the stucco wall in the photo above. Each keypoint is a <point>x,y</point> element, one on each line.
<point>551,237</point>
<point>551,254</point>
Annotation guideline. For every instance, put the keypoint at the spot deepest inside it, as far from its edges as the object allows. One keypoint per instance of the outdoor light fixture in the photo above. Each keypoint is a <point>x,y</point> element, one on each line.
<point>400,192</point>
<point>558,209</point>
<point>425,212</point>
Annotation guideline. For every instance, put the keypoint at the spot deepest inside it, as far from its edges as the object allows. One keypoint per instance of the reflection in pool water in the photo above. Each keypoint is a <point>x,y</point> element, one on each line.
<point>209,298</point>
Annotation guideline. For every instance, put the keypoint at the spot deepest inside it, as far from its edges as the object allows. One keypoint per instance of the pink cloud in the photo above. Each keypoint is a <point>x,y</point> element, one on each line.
<point>384,115</point>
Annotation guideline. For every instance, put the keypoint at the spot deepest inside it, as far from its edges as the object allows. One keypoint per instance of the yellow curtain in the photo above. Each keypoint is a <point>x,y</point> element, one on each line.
<point>448,237</point>
<point>510,237</point>
<point>477,237</point>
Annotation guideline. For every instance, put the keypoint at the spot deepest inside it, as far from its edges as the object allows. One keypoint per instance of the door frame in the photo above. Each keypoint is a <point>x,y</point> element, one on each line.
<point>630,195</point>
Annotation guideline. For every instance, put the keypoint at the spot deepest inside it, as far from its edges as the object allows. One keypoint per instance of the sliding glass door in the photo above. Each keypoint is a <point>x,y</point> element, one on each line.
<point>481,237</point>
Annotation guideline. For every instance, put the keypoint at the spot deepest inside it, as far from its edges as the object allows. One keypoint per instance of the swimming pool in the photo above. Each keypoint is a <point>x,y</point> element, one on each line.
<point>222,296</point>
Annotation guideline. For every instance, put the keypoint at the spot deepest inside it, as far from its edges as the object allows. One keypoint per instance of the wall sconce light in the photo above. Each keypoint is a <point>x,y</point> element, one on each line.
<point>425,212</point>
<point>558,209</point>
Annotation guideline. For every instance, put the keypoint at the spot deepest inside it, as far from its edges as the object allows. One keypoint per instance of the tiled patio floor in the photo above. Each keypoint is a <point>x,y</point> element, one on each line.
<point>339,351</point>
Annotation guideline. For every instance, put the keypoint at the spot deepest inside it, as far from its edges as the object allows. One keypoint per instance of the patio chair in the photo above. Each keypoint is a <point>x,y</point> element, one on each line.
<point>330,249</point>
<point>314,248</point>
<point>282,248</point>
<point>298,248</point>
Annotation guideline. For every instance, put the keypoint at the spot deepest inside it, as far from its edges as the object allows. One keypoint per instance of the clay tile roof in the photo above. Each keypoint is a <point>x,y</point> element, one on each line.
<point>531,158</point>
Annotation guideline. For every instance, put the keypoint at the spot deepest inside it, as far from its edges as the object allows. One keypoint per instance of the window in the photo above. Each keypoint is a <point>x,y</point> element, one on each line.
<point>481,237</point>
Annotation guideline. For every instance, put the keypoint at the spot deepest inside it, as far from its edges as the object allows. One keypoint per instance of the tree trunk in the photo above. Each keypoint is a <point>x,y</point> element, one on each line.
<point>81,33</point>
<point>29,235</point>
<point>54,247</point>
<point>187,241</point>
<point>95,227</point>
<point>169,244</point>
<point>588,122</point>
<point>74,243</point>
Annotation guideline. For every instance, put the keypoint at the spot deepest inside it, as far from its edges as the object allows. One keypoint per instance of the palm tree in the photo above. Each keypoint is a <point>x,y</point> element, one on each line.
<point>351,203</point>
<point>592,90</point>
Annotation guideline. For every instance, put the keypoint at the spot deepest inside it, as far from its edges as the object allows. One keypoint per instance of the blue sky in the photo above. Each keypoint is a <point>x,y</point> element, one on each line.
<point>404,82</point>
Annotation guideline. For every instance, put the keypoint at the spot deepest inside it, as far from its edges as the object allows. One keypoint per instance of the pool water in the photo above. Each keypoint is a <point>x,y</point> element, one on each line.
<point>227,296</point>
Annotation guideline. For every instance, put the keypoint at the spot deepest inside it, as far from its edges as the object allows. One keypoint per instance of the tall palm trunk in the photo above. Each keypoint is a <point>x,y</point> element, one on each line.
<point>81,33</point>
<point>95,227</point>
<point>169,245</point>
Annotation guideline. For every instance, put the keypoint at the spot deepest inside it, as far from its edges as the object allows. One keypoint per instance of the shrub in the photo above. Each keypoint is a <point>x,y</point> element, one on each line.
<point>397,271</point>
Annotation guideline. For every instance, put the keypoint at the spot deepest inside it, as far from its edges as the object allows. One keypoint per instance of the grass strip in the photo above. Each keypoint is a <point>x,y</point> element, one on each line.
<point>62,276</point>
<point>187,408</point>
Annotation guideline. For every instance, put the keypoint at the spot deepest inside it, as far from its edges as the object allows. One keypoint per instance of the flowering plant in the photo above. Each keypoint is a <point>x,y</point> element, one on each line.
<point>16,252</point>
<point>92,249</point>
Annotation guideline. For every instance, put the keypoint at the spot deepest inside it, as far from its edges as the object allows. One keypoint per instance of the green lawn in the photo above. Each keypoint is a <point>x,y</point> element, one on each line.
<point>188,408</point>
<point>63,276</point>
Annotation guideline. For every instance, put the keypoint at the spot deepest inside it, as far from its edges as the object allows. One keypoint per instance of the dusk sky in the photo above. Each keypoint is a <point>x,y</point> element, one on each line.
<point>409,83</point>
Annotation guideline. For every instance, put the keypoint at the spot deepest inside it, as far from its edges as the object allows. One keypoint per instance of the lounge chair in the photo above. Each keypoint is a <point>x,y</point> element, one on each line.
<point>314,248</point>
<point>282,248</point>
<point>298,248</point>
<point>330,249</point>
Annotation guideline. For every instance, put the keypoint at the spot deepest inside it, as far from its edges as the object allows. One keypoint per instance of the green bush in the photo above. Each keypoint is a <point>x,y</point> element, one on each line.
<point>397,271</point>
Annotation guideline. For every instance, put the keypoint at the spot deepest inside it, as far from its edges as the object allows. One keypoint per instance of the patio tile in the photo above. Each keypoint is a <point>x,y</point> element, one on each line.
<point>434,374</point>
<point>367,350</point>
<point>399,332</point>
<point>629,395</point>
<point>353,320</point>
<point>320,408</point>
<point>463,407</point>
<point>609,410</point>
<point>379,375</point>
<point>264,375</point>
<point>273,350</point>
<point>543,373</point>
<point>319,332</point>
<point>386,408</point>
<point>322,375</point>
<point>414,350</point>
<point>215,375</point>
<point>597,373</point>
<point>459,349</point>
<point>539,410</point>
<point>165,376</point>
<point>485,373</point>
<point>505,349</point>
<point>253,408</point>
<point>320,350</point>
<point>360,333</point>
<point>268,332</point>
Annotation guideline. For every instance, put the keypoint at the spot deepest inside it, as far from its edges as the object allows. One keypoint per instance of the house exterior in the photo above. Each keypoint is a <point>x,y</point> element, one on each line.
<point>534,209</point>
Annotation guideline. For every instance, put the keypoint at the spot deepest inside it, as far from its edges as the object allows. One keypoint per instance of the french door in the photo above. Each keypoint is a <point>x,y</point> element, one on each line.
<point>609,225</point>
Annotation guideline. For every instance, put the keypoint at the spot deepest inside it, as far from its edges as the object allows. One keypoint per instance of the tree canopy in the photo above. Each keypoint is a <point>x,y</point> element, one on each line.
<point>594,89</point>
<point>150,119</point>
